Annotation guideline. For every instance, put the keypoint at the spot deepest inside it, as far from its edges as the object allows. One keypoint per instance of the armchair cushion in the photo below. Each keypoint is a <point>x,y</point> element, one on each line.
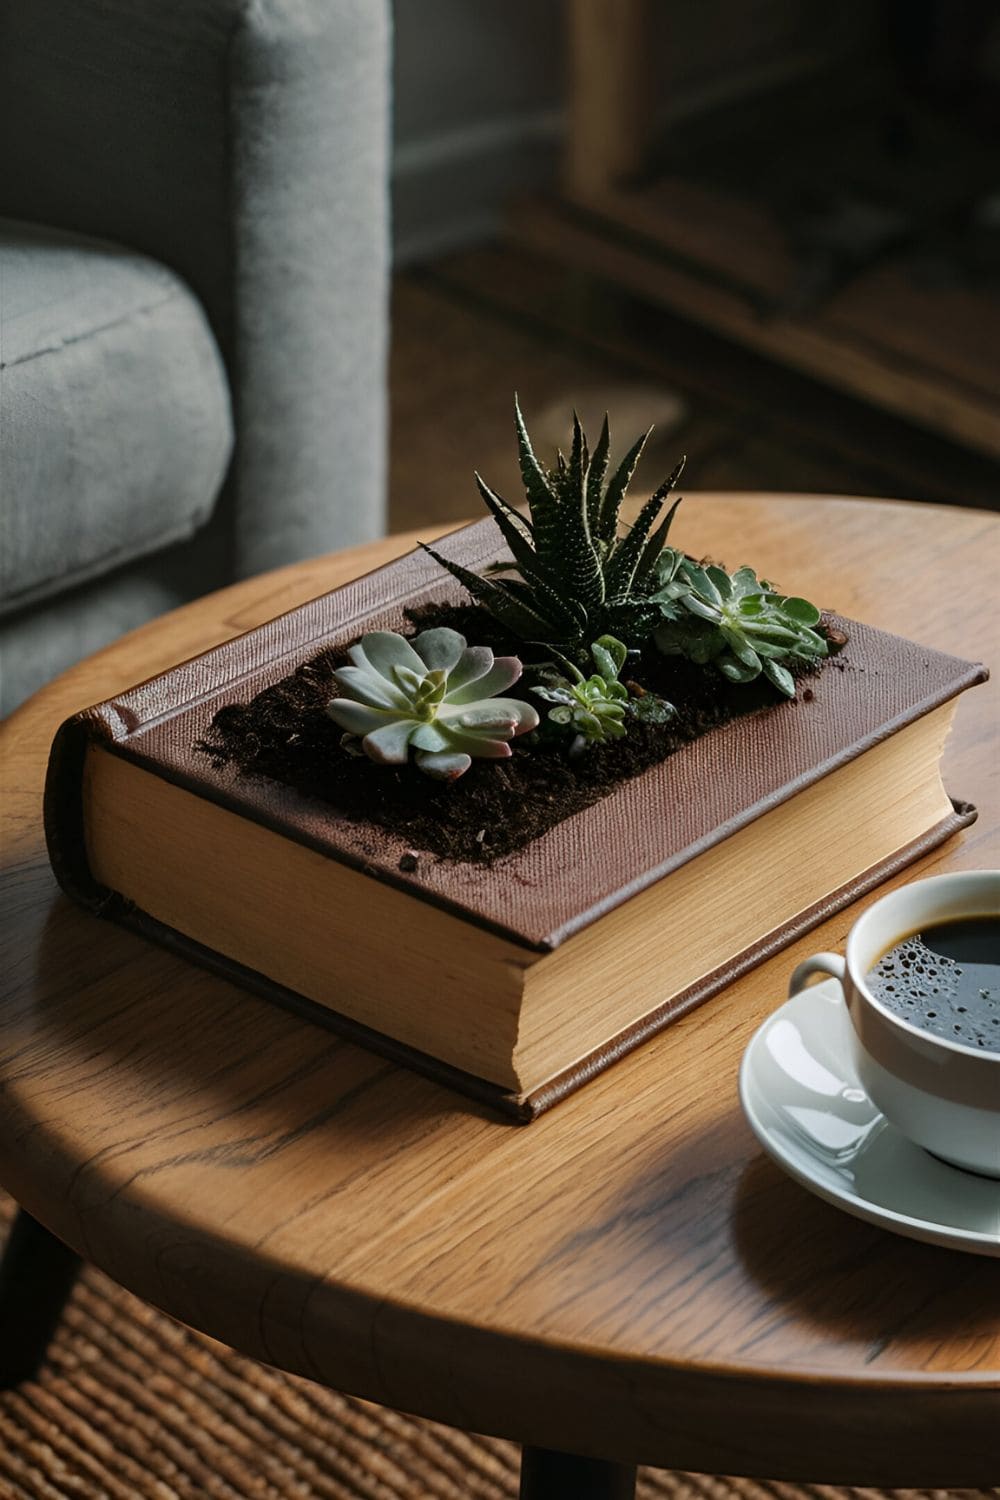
<point>115,423</point>
<point>244,143</point>
<point>37,644</point>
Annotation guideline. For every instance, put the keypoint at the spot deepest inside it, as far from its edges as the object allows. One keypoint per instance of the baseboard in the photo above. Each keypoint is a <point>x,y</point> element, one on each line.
<point>450,189</point>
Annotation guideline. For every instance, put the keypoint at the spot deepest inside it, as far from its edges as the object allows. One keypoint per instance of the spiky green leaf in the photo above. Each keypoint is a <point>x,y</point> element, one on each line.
<point>630,620</point>
<point>594,484</point>
<point>648,571</point>
<point>516,535</point>
<point>574,559</point>
<point>517,616</point>
<point>615,493</point>
<point>521,522</point>
<point>541,496</point>
<point>566,616</point>
<point>575,471</point>
<point>624,563</point>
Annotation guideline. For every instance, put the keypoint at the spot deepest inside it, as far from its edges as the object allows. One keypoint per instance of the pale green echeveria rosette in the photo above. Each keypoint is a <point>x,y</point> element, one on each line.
<point>434,695</point>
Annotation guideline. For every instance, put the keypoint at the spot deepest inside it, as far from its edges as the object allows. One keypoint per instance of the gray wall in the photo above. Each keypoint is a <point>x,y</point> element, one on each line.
<point>478,115</point>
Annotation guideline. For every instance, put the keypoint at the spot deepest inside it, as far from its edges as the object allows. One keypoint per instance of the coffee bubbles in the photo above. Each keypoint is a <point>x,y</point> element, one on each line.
<point>945,980</point>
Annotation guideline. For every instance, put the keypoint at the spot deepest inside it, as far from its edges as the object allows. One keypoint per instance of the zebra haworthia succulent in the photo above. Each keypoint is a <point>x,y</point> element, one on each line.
<point>433,694</point>
<point>574,577</point>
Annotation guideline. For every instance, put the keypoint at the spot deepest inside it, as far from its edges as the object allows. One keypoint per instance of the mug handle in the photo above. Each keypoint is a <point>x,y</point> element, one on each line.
<point>820,963</point>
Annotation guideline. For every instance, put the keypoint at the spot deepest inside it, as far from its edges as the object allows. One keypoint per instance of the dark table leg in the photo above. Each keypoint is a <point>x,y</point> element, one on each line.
<point>37,1273</point>
<point>563,1476</point>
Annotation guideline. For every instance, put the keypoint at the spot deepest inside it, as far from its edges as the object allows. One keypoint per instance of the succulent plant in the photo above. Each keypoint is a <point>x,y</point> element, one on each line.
<point>737,623</point>
<point>576,578</point>
<point>596,708</point>
<point>433,694</point>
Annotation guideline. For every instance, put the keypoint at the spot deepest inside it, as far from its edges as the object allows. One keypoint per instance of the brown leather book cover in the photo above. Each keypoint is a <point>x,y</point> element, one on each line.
<point>564,880</point>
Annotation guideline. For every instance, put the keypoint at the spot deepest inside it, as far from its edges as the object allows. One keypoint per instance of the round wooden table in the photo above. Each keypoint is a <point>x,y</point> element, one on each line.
<point>627,1278</point>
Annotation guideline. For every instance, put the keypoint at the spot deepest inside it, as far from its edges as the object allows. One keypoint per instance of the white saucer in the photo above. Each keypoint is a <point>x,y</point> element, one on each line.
<point>805,1105</point>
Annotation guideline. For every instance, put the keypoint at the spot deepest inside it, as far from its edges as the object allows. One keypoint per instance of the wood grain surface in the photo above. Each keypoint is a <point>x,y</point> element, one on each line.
<point>627,1277</point>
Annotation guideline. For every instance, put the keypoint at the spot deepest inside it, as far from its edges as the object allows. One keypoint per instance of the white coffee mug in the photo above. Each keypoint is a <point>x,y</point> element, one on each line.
<point>943,1094</point>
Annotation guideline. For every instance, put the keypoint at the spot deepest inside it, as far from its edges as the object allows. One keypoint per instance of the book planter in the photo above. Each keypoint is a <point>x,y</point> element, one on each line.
<point>505,841</point>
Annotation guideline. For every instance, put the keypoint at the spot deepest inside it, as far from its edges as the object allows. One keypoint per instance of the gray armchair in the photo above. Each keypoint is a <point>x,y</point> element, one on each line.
<point>193,304</point>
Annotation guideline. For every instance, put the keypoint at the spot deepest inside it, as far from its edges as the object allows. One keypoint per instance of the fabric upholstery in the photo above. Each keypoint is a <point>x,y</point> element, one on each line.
<point>37,644</point>
<point>115,428</point>
<point>244,143</point>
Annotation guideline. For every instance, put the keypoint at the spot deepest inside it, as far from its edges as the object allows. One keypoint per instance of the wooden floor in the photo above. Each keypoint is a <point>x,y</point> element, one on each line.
<point>470,330</point>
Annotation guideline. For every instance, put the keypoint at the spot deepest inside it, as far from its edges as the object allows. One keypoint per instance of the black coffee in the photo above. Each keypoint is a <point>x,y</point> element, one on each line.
<point>946,980</point>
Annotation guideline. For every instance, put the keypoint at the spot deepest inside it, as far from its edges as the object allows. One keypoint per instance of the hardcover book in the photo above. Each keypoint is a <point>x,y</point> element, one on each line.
<point>516,981</point>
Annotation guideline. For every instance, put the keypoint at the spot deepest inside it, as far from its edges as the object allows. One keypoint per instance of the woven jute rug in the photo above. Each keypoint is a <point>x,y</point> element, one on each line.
<point>131,1406</point>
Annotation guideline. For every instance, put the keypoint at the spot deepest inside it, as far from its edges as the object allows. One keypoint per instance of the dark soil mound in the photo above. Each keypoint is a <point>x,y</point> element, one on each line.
<point>497,806</point>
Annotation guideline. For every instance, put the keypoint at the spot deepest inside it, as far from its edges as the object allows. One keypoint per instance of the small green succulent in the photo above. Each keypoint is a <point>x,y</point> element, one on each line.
<point>596,708</point>
<point>737,623</point>
<point>575,578</point>
<point>433,694</point>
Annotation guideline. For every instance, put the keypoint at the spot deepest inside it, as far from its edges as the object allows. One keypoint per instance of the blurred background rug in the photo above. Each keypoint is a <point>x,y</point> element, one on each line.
<point>132,1406</point>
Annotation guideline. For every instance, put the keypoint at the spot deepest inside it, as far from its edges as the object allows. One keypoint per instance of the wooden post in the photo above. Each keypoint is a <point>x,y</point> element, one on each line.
<point>546,1475</point>
<point>610,110</point>
<point>37,1273</point>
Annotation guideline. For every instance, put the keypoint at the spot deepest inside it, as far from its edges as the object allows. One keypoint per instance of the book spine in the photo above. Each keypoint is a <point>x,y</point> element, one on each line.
<point>62,806</point>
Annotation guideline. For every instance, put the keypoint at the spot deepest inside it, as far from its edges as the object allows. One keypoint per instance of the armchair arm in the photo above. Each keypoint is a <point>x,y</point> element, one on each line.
<point>244,143</point>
